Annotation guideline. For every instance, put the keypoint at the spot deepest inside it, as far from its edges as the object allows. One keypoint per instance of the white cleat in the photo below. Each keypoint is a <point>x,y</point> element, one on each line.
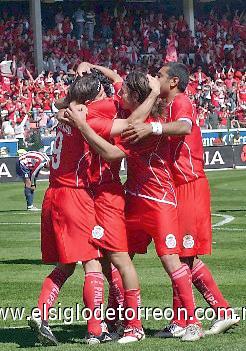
<point>193,333</point>
<point>132,334</point>
<point>33,208</point>
<point>222,325</point>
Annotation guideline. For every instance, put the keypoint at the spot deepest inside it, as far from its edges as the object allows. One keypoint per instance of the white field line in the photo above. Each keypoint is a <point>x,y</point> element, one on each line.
<point>231,229</point>
<point>227,219</point>
<point>19,223</point>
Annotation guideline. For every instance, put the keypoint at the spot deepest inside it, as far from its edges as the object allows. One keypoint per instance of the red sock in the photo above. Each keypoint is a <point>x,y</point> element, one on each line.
<point>182,283</point>
<point>50,291</point>
<point>116,289</point>
<point>179,317</point>
<point>205,284</point>
<point>133,301</point>
<point>116,293</point>
<point>93,297</point>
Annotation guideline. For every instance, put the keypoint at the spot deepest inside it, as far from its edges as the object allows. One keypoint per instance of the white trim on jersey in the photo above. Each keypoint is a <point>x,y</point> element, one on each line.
<point>162,200</point>
<point>190,159</point>
<point>151,198</point>
<point>77,178</point>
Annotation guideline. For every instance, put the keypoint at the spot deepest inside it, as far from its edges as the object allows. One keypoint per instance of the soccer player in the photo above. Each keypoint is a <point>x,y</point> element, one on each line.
<point>193,193</point>
<point>67,223</point>
<point>28,166</point>
<point>151,200</point>
<point>71,169</point>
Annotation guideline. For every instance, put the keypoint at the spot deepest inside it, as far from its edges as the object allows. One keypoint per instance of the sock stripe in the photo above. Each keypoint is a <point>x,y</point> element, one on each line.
<point>180,270</point>
<point>198,266</point>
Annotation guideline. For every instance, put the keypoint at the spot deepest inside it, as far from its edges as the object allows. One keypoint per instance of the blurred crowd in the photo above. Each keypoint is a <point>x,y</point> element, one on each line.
<point>123,40</point>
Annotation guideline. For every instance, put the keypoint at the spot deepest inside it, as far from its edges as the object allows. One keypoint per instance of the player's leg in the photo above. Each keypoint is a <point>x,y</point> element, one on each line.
<point>115,294</point>
<point>51,287</point>
<point>199,242</point>
<point>93,297</point>
<point>204,281</point>
<point>165,233</point>
<point>132,300</point>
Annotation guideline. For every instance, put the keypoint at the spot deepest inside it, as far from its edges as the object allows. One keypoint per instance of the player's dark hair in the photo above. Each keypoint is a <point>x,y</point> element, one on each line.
<point>104,81</point>
<point>177,69</point>
<point>84,88</point>
<point>137,82</point>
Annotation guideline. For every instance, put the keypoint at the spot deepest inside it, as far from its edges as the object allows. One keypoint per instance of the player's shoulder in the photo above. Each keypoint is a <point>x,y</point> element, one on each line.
<point>182,98</point>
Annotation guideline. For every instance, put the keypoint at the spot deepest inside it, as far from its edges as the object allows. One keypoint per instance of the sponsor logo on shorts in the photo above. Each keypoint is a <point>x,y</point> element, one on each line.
<point>188,241</point>
<point>97,232</point>
<point>171,241</point>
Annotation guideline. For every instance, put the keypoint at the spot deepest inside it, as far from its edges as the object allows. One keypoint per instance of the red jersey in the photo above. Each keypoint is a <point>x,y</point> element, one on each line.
<point>74,163</point>
<point>148,171</point>
<point>102,172</point>
<point>72,157</point>
<point>187,150</point>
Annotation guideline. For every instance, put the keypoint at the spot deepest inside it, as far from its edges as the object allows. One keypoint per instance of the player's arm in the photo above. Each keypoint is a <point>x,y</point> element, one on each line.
<point>183,120</point>
<point>135,133</point>
<point>108,151</point>
<point>141,113</point>
<point>109,73</point>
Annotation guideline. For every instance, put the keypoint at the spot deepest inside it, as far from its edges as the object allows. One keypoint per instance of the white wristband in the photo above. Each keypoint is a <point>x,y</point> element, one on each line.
<point>156,128</point>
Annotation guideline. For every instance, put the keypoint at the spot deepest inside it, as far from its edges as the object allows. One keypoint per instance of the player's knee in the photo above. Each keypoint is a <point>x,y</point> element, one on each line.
<point>92,266</point>
<point>67,269</point>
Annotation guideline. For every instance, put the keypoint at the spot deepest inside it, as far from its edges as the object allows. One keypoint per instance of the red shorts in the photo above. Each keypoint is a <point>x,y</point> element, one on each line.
<point>67,222</point>
<point>194,215</point>
<point>109,202</point>
<point>147,220</point>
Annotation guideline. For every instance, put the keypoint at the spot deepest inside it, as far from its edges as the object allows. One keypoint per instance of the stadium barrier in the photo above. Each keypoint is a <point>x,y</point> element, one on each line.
<point>215,157</point>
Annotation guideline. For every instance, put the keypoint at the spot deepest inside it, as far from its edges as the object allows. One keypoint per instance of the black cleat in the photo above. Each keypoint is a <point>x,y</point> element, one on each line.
<point>171,331</point>
<point>45,335</point>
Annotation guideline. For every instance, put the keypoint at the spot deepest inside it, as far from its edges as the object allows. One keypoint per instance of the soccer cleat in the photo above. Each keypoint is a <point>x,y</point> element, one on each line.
<point>33,208</point>
<point>193,333</point>
<point>222,325</point>
<point>116,327</point>
<point>105,336</point>
<point>132,334</point>
<point>45,335</point>
<point>171,331</point>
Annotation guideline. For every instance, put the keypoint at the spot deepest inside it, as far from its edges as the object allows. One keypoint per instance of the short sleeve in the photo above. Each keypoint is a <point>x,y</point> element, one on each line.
<point>182,108</point>
<point>102,126</point>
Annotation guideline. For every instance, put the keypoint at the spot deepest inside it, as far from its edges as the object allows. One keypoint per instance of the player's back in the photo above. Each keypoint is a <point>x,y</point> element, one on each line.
<point>70,158</point>
<point>187,150</point>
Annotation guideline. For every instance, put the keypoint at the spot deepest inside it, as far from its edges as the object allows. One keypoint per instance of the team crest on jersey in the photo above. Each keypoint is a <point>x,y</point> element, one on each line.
<point>188,241</point>
<point>171,241</point>
<point>97,232</point>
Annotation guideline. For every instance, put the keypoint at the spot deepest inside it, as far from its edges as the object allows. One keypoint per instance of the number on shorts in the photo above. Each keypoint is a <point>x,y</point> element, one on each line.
<point>56,155</point>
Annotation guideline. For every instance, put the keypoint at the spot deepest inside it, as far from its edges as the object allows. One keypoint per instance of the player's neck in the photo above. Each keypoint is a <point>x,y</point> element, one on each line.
<point>173,93</point>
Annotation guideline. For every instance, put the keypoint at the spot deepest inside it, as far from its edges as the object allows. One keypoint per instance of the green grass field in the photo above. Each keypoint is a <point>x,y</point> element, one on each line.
<point>21,272</point>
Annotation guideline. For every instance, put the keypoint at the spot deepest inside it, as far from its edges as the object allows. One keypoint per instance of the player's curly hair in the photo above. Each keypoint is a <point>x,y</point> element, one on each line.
<point>138,83</point>
<point>104,81</point>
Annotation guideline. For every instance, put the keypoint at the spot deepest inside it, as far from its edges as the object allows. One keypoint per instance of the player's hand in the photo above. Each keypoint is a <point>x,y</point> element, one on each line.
<point>77,114</point>
<point>154,84</point>
<point>62,118</point>
<point>83,67</point>
<point>134,133</point>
